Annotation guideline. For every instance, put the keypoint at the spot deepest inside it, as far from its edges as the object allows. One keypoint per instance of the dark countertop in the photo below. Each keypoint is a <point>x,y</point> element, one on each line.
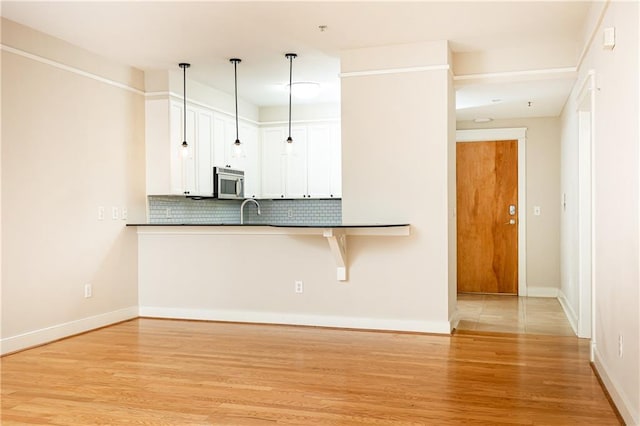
<point>342,225</point>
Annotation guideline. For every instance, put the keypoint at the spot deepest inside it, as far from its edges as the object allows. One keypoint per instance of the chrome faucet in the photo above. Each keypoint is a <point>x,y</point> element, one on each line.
<point>242,209</point>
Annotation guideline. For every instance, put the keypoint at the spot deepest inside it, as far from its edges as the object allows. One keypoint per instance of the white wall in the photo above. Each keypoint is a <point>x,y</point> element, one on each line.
<point>300,112</point>
<point>616,204</point>
<point>398,165</point>
<point>70,144</point>
<point>159,83</point>
<point>542,189</point>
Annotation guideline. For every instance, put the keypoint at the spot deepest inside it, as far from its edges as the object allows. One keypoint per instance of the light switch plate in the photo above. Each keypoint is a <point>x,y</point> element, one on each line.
<point>536,210</point>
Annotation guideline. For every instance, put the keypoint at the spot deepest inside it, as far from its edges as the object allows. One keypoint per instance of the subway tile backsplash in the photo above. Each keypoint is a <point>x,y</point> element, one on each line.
<point>177,209</point>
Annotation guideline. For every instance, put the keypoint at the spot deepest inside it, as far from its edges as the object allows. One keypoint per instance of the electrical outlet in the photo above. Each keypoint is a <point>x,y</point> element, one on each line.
<point>88,291</point>
<point>125,214</point>
<point>299,287</point>
<point>114,213</point>
<point>101,213</point>
<point>290,213</point>
<point>620,345</point>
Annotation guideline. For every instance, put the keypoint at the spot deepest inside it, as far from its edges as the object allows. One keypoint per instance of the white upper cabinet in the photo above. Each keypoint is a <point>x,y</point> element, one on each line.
<point>310,167</point>
<point>250,156</point>
<point>210,136</point>
<point>296,164</point>
<point>324,171</point>
<point>273,162</point>
<point>245,158</point>
<point>168,170</point>
<point>192,174</point>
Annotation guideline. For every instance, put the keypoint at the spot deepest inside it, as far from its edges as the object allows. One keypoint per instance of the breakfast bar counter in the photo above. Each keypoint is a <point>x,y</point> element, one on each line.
<point>336,234</point>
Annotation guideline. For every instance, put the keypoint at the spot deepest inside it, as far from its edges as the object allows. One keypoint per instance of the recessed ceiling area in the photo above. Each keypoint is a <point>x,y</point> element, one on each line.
<point>159,35</point>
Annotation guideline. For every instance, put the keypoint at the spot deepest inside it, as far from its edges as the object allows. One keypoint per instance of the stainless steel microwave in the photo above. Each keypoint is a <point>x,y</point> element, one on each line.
<point>228,183</point>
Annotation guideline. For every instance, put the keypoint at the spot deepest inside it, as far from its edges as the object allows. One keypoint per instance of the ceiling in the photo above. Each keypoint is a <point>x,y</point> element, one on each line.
<point>159,35</point>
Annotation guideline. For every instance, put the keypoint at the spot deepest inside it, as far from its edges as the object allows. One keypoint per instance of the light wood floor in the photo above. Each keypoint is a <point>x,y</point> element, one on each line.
<point>512,314</point>
<point>161,372</point>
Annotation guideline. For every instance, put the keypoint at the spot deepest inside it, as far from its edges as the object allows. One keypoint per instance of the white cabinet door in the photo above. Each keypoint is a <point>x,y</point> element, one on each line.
<point>224,137</point>
<point>191,175</point>
<point>296,164</point>
<point>324,165</point>
<point>189,184</point>
<point>336,164</point>
<point>175,142</point>
<point>183,176</point>
<point>320,140</point>
<point>204,152</point>
<point>273,162</point>
<point>250,157</point>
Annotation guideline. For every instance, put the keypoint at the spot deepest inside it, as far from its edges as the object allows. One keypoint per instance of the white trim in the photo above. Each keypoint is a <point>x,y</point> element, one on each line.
<point>539,72</point>
<point>592,35</point>
<point>439,327</point>
<point>568,311</point>
<point>621,401</point>
<point>60,331</point>
<point>70,69</point>
<point>519,133</point>
<point>439,67</point>
<point>314,121</point>
<point>551,292</point>
<point>586,206</point>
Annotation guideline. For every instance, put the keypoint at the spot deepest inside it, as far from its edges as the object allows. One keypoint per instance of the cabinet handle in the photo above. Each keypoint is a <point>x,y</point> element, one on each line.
<point>331,195</point>
<point>282,196</point>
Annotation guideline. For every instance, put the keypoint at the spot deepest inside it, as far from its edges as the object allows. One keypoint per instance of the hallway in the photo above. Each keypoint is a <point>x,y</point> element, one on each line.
<point>512,314</point>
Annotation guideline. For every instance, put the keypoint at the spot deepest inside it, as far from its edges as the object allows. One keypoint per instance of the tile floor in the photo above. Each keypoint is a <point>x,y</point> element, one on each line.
<point>512,314</point>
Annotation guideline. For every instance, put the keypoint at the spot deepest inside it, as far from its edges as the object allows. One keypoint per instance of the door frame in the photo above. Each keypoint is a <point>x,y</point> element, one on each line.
<point>504,134</point>
<point>585,111</point>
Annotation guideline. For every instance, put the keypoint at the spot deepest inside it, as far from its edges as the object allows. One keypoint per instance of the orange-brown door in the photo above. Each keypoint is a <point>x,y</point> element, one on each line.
<point>487,197</point>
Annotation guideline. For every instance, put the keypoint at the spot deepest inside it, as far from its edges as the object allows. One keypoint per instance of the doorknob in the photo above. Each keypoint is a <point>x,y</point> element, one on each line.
<point>511,222</point>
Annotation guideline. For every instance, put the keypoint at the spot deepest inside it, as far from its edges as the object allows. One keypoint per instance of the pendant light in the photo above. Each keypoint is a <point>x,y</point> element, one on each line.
<point>237,146</point>
<point>185,145</point>
<point>290,57</point>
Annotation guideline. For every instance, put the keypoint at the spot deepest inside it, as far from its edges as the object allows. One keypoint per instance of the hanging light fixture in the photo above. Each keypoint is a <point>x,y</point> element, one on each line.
<point>290,57</point>
<point>185,145</point>
<point>237,146</point>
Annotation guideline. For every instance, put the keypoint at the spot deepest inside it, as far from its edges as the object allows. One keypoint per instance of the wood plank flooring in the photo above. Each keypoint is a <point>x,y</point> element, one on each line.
<point>162,372</point>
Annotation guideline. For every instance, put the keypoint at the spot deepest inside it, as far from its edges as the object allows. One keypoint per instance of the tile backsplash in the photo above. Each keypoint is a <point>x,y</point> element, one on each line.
<point>178,209</point>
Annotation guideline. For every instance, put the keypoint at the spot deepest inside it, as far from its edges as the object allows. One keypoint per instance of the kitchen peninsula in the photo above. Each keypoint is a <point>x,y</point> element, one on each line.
<point>336,234</point>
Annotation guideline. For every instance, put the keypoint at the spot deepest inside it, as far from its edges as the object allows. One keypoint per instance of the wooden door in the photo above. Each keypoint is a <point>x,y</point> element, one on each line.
<point>487,187</point>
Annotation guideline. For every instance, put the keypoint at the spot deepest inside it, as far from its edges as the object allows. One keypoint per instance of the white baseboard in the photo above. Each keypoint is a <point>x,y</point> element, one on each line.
<point>621,401</point>
<point>542,291</point>
<point>60,331</point>
<point>568,311</point>
<point>443,327</point>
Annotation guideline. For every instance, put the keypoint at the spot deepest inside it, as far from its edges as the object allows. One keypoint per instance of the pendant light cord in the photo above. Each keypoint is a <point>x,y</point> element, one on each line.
<point>290,81</point>
<point>235,75</point>
<point>290,56</point>
<point>184,67</point>
<point>184,98</point>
